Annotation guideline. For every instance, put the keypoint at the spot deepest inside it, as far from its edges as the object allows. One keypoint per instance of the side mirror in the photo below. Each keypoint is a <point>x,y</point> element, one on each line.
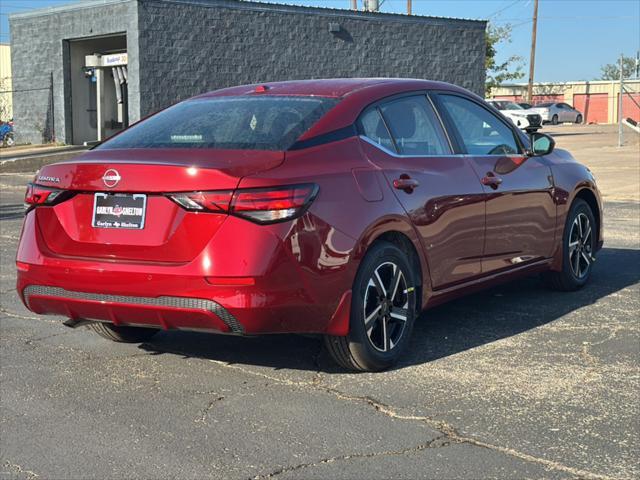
<point>541,144</point>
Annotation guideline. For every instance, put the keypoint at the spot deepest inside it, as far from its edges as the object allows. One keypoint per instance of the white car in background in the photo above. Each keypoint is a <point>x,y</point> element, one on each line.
<point>555,113</point>
<point>521,117</point>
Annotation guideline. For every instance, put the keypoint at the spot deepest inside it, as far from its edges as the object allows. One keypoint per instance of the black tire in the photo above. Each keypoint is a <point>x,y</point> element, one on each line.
<point>123,334</point>
<point>9,140</point>
<point>579,119</point>
<point>554,120</point>
<point>567,280</point>
<point>358,351</point>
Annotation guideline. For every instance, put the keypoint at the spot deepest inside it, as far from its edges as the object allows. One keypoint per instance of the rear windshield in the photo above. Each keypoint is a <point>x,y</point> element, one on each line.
<point>237,123</point>
<point>544,104</point>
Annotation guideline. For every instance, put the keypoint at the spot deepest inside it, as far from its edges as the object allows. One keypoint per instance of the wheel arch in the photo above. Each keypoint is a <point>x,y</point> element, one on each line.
<point>588,196</point>
<point>400,233</point>
<point>588,193</point>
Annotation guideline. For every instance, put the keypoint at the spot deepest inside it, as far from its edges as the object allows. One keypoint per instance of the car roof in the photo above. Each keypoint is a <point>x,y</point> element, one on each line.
<point>355,94</point>
<point>325,87</point>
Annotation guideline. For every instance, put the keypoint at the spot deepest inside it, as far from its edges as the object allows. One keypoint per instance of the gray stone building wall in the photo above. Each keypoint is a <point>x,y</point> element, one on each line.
<point>180,48</point>
<point>38,50</point>
<point>193,46</point>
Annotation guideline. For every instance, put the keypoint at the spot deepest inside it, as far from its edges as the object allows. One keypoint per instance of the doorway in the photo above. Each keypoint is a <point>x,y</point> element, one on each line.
<point>99,97</point>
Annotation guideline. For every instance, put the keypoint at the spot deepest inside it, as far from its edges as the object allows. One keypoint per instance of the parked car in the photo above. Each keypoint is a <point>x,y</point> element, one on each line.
<point>521,118</point>
<point>7,136</point>
<point>336,207</point>
<point>556,113</point>
<point>526,106</point>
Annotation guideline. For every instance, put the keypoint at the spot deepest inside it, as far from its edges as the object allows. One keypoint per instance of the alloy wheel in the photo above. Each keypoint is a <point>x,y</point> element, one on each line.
<point>386,306</point>
<point>580,246</point>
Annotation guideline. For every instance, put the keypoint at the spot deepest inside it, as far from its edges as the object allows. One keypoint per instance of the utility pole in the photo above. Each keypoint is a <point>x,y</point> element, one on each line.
<point>354,4</point>
<point>532,59</point>
<point>620,133</point>
<point>408,7</point>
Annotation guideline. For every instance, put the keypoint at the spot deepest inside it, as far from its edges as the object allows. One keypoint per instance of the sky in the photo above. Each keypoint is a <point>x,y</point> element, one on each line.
<point>575,37</point>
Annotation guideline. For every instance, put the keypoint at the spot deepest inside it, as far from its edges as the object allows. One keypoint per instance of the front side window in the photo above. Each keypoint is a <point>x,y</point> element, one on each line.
<point>238,123</point>
<point>414,126</point>
<point>480,130</point>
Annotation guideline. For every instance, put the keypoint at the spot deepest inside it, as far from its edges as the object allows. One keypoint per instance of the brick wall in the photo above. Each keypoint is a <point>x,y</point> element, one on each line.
<point>38,49</point>
<point>188,48</point>
<point>180,48</point>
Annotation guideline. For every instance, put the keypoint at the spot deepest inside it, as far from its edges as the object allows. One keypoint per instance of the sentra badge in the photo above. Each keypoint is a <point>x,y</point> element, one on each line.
<point>43,178</point>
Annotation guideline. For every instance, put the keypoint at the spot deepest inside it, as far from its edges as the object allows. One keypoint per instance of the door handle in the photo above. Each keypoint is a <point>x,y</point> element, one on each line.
<point>406,183</point>
<point>491,180</point>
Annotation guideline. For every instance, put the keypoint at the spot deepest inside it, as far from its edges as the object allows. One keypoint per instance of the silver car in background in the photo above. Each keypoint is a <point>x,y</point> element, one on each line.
<point>556,113</point>
<point>521,117</point>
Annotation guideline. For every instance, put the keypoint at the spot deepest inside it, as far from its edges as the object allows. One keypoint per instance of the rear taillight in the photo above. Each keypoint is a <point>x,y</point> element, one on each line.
<point>204,201</point>
<point>270,205</point>
<point>260,205</point>
<point>39,195</point>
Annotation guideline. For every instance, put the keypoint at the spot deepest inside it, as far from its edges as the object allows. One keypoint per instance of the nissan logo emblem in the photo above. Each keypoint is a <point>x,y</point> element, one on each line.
<point>111,178</point>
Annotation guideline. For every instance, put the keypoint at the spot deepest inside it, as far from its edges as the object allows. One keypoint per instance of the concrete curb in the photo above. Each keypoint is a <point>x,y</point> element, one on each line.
<point>33,161</point>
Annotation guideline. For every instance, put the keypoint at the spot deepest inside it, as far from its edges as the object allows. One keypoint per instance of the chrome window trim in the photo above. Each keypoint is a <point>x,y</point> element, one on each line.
<point>171,302</point>
<point>398,155</point>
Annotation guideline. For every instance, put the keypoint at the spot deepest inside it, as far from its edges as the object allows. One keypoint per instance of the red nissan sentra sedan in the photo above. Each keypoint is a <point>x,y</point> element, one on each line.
<point>338,207</point>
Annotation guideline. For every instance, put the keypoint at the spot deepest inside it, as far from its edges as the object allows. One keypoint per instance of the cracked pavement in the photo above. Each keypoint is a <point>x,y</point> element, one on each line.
<point>516,382</point>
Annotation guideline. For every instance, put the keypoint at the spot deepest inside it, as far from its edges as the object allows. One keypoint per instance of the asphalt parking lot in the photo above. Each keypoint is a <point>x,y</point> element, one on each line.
<point>517,382</point>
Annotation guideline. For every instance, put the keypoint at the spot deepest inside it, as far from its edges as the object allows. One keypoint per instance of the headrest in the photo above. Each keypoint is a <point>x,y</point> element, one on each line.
<point>401,118</point>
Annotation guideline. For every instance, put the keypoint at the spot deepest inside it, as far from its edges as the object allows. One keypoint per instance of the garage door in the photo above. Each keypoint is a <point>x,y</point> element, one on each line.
<point>594,107</point>
<point>629,108</point>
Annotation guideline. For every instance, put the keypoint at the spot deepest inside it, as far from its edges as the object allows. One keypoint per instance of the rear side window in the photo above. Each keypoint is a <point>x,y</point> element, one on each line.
<point>372,126</point>
<point>247,122</point>
<point>480,130</point>
<point>414,126</point>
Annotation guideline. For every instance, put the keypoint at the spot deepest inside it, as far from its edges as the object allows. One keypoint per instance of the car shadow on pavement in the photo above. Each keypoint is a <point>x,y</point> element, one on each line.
<point>460,325</point>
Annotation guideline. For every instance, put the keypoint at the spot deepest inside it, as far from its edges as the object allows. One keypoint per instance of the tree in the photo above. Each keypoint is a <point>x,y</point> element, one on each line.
<point>5,99</point>
<point>611,71</point>
<point>498,73</point>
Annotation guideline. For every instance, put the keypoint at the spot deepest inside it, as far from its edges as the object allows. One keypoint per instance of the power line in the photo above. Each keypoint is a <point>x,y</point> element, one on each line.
<point>497,12</point>
<point>623,17</point>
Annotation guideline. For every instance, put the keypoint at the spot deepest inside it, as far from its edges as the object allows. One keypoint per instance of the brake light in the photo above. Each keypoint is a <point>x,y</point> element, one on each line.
<point>39,195</point>
<point>204,201</point>
<point>260,205</point>
<point>270,205</point>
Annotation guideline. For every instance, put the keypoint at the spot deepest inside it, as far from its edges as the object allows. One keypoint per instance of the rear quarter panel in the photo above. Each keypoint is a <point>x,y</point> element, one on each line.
<point>353,208</point>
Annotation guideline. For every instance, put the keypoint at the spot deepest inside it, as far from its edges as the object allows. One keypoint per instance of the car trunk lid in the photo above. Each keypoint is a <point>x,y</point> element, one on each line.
<point>169,233</point>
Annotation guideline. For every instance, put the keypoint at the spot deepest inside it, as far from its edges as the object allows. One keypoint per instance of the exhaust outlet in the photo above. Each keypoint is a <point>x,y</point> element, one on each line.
<point>76,322</point>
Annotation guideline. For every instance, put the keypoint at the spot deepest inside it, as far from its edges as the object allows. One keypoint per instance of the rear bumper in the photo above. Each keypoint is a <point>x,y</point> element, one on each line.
<point>166,312</point>
<point>289,291</point>
<point>172,302</point>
